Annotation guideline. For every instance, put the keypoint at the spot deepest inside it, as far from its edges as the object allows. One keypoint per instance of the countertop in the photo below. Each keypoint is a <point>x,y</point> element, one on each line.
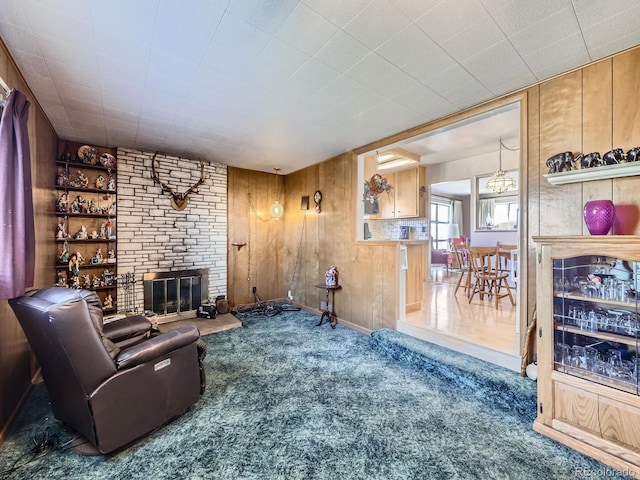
<point>391,241</point>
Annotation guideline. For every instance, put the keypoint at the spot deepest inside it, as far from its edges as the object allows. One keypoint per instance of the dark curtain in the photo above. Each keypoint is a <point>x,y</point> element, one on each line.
<point>17,232</point>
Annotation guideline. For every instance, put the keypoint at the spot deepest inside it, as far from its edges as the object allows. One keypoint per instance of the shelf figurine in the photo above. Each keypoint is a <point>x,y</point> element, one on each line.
<point>63,203</point>
<point>111,256</point>
<point>61,280</point>
<point>74,264</point>
<point>100,182</point>
<point>91,207</point>
<point>75,282</point>
<point>86,281</point>
<point>63,179</point>
<point>111,186</point>
<point>61,230</point>
<point>81,234</point>
<point>64,255</point>
<point>108,302</point>
<point>108,228</point>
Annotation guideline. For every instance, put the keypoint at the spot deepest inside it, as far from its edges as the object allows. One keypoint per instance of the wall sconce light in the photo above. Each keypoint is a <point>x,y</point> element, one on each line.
<point>276,210</point>
<point>304,203</point>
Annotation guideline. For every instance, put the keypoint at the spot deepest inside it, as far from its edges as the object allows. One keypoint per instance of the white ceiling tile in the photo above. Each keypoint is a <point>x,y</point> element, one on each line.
<point>306,30</point>
<point>407,46</point>
<point>620,43</point>
<point>625,23</point>
<point>446,19</point>
<point>133,20</point>
<point>435,59</point>
<point>497,64</point>
<point>342,52</point>
<point>519,15</point>
<point>338,12</point>
<point>65,52</point>
<point>310,78</point>
<point>74,73</point>
<point>235,46</point>
<point>76,108</point>
<point>19,39</point>
<point>477,38</point>
<point>456,85</point>
<point>591,12</point>
<point>81,93</point>
<point>267,15</point>
<point>419,97</point>
<point>391,81</point>
<point>123,48</point>
<point>219,84</point>
<point>415,8</point>
<point>276,63</point>
<point>558,57</point>
<point>376,23</point>
<point>333,94</point>
<point>172,66</point>
<point>190,29</point>
<point>77,30</point>
<point>369,68</point>
<point>556,27</point>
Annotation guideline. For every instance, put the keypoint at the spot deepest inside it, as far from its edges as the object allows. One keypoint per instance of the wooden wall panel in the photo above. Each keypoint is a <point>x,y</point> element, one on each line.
<point>536,168</point>
<point>597,124</point>
<point>250,194</point>
<point>17,366</point>
<point>560,131</point>
<point>626,135</point>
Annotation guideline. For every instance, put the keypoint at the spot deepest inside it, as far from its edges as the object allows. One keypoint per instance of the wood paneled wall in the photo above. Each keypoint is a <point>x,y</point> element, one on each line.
<point>591,109</point>
<point>293,254</point>
<point>258,263</point>
<point>16,363</point>
<point>313,242</point>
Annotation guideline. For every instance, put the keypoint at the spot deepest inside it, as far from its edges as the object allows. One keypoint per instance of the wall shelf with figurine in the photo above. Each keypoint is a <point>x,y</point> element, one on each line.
<point>85,213</point>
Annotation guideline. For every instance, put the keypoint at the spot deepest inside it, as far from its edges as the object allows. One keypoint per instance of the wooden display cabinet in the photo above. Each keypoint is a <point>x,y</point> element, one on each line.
<point>86,202</point>
<point>588,344</point>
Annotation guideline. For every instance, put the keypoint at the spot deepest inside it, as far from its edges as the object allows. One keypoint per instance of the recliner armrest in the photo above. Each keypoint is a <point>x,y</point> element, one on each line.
<point>126,328</point>
<point>156,347</point>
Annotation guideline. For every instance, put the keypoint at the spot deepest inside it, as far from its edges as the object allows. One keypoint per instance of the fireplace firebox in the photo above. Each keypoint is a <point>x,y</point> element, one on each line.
<point>180,292</point>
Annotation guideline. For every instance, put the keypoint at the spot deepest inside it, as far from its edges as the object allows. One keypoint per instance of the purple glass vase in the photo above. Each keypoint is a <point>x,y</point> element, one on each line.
<point>599,216</point>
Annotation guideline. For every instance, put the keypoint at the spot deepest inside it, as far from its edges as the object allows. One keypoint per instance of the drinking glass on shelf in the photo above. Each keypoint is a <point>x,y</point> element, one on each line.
<point>578,358</point>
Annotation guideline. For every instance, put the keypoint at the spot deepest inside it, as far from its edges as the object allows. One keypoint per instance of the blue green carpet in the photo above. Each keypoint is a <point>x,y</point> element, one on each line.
<point>288,400</point>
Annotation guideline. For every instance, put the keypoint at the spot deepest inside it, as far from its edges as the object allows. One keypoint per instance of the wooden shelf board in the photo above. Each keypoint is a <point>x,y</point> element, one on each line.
<point>595,173</point>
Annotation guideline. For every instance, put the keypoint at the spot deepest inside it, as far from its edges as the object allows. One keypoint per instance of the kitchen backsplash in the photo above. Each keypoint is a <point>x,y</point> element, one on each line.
<point>391,229</point>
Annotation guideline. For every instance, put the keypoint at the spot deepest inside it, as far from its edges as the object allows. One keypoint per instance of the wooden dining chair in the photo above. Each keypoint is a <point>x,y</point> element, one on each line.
<point>487,277</point>
<point>461,255</point>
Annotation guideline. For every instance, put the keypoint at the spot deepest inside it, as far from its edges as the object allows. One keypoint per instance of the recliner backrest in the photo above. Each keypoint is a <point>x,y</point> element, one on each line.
<point>59,326</point>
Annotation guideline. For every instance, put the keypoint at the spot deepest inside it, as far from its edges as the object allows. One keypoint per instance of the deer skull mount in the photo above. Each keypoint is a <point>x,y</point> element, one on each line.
<point>179,200</point>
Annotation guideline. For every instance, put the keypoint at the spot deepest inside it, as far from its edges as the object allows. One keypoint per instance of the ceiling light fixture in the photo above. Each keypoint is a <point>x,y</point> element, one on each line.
<point>276,210</point>
<point>500,182</point>
<point>394,158</point>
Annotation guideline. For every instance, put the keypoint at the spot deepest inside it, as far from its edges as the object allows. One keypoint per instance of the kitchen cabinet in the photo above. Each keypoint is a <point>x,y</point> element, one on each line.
<point>404,200</point>
<point>588,344</point>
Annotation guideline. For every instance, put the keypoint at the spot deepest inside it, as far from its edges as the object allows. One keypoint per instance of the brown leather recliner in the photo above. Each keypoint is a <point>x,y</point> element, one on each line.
<point>109,383</point>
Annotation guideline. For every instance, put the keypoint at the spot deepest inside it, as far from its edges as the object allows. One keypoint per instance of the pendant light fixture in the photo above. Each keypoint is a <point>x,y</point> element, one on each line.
<point>500,182</point>
<point>276,210</point>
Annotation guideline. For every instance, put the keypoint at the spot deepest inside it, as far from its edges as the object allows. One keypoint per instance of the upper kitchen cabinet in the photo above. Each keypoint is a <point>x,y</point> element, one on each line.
<point>403,200</point>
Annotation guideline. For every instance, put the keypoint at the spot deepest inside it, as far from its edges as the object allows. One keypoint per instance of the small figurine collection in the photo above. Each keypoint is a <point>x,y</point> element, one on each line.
<point>72,275</point>
<point>567,161</point>
<point>331,277</point>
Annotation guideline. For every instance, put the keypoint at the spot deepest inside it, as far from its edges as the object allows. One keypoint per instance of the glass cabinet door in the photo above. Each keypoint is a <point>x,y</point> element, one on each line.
<point>595,306</point>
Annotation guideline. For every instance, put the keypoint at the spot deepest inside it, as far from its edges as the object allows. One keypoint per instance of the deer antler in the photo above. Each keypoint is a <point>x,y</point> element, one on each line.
<point>178,200</point>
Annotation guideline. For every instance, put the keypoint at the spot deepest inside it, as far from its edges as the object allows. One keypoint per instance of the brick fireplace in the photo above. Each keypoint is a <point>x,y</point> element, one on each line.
<point>154,238</point>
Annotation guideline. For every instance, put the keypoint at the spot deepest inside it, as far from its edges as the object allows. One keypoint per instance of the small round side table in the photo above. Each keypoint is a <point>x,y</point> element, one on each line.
<point>328,313</point>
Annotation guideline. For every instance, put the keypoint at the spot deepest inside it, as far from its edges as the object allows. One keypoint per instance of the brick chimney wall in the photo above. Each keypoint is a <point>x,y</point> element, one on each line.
<point>153,236</point>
